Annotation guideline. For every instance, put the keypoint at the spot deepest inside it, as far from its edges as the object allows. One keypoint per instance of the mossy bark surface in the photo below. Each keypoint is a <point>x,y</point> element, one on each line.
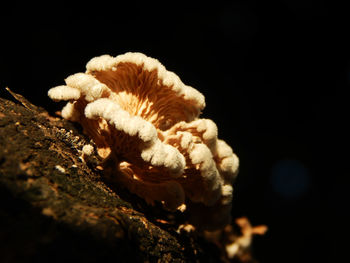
<point>56,206</point>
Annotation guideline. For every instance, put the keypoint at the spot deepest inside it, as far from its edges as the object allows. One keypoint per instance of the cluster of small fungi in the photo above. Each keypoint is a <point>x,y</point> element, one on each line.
<point>146,120</point>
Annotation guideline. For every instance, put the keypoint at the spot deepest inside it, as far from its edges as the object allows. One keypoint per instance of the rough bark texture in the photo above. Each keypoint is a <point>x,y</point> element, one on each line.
<point>55,206</point>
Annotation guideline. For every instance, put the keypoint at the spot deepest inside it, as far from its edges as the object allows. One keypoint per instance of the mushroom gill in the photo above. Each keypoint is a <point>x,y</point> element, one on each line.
<point>145,119</point>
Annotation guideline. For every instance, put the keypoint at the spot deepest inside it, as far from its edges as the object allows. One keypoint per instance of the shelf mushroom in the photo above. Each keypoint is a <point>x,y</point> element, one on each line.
<point>145,119</point>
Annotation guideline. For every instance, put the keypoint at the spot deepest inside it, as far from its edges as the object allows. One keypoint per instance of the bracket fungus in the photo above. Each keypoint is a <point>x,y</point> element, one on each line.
<point>146,120</point>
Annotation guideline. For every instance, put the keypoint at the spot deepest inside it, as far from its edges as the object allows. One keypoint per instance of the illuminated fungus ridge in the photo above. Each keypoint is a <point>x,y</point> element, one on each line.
<point>145,118</point>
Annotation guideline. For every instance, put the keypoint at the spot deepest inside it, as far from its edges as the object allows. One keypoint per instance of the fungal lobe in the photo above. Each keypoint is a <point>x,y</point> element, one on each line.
<point>145,118</point>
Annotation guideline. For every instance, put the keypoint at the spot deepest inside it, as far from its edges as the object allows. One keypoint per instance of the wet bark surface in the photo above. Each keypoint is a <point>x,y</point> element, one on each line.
<point>56,205</point>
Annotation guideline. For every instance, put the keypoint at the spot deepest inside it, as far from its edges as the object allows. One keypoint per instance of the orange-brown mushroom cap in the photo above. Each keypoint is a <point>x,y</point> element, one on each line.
<point>148,120</point>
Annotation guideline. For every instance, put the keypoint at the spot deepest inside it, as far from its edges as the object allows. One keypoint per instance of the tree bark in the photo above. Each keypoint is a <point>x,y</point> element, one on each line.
<point>56,205</point>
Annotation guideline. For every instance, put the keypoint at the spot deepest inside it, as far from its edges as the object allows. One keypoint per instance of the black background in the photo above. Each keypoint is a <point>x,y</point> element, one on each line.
<point>274,74</point>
